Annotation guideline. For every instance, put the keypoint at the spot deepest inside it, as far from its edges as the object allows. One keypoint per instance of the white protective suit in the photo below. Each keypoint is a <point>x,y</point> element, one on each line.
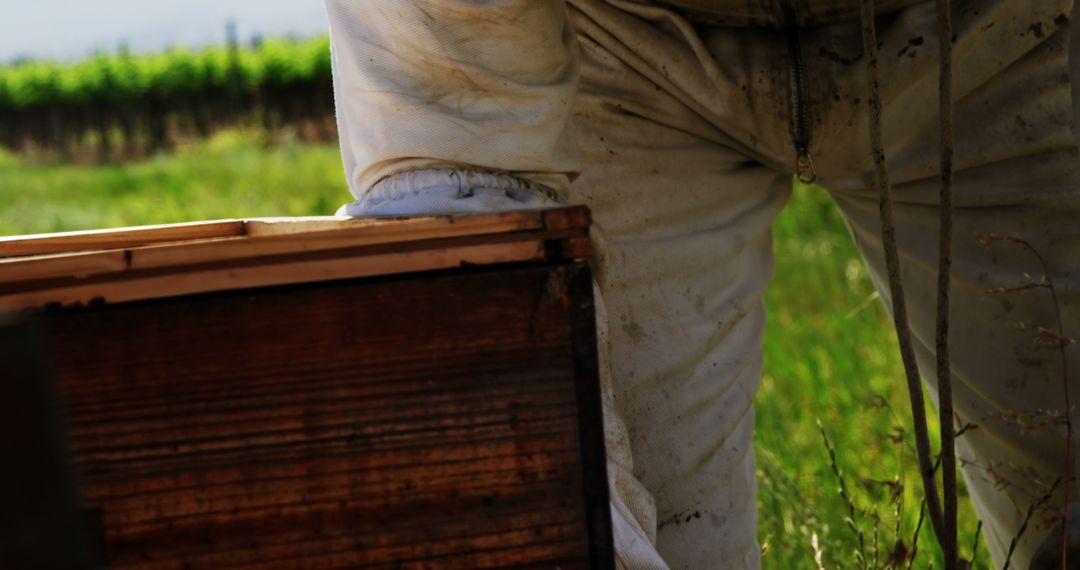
<point>680,131</point>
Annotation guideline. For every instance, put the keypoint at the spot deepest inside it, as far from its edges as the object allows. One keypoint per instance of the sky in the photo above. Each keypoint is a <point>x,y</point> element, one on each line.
<point>73,29</point>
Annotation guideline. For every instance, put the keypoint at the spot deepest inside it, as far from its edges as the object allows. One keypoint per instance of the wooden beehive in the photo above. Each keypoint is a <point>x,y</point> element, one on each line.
<point>328,393</point>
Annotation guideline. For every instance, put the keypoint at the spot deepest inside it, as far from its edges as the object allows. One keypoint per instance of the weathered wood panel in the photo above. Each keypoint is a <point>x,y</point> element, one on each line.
<point>128,264</point>
<point>42,523</point>
<point>441,420</point>
<point>258,272</point>
<point>37,244</point>
<point>344,229</point>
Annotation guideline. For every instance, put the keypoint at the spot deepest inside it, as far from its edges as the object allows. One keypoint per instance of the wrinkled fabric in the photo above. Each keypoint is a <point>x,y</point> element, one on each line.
<point>678,135</point>
<point>1048,555</point>
<point>434,192</point>
<point>780,13</point>
<point>455,72</point>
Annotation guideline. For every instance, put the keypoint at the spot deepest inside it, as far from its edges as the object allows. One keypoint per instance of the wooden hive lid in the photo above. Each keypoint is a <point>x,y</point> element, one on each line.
<point>129,264</point>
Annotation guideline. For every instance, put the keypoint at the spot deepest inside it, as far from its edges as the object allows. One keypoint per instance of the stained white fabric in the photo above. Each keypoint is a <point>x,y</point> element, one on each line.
<point>492,82</point>
<point>449,191</point>
<point>771,13</point>
<point>680,142</point>
<point>1048,555</point>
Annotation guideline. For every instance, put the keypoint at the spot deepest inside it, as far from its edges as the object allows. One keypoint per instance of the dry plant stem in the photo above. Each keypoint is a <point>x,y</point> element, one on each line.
<point>875,548</point>
<point>1062,342</point>
<point>915,535</point>
<point>975,543</point>
<point>948,536</point>
<point>1027,519</point>
<point>853,515</point>
<point>892,263</point>
<point>817,551</point>
<point>1068,416</point>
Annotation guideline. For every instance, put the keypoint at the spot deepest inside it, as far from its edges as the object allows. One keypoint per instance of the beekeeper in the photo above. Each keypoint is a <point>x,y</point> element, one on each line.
<point>681,124</point>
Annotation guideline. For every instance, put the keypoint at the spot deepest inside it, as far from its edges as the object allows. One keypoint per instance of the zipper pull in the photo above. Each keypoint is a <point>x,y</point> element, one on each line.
<point>804,166</point>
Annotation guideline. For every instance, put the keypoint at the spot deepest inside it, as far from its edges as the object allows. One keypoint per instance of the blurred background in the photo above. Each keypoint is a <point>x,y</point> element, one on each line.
<point>83,87</point>
<point>125,112</point>
<point>65,30</point>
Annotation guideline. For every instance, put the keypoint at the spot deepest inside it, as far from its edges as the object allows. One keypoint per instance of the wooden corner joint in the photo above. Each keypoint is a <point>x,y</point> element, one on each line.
<point>573,217</point>
<point>571,248</point>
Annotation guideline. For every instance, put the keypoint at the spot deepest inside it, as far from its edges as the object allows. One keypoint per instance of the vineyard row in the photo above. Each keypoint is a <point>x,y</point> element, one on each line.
<point>124,105</point>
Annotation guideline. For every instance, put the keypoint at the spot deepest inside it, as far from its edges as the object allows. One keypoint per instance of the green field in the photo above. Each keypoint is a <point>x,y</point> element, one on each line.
<point>830,354</point>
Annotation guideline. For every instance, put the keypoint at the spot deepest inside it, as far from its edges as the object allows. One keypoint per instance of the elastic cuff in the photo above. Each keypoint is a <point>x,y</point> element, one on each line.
<point>450,191</point>
<point>466,183</point>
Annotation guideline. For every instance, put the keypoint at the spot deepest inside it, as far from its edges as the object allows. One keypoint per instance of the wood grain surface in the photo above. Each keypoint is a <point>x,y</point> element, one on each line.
<point>127,264</point>
<point>42,523</point>
<point>439,420</point>
<point>381,229</point>
<point>38,244</point>
<point>305,267</point>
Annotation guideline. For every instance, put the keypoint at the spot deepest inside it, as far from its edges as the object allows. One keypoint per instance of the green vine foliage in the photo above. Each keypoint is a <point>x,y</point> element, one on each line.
<point>145,99</point>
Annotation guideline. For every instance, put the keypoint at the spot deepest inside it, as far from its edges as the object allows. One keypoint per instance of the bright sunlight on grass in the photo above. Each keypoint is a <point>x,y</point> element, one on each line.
<point>830,352</point>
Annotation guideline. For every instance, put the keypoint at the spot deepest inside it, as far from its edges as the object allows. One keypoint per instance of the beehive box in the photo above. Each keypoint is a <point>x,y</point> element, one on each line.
<point>328,393</point>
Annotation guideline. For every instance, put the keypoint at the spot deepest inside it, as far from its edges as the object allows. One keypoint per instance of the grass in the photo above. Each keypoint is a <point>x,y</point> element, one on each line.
<point>830,354</point>
<point>233,175</point>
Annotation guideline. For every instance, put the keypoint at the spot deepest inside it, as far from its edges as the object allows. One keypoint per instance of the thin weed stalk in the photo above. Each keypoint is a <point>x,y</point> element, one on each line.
<point>880,182</point>
<point>1061,342</point>
<point>948,536</point>
<point>1027,519</point>
<point>915,535</point>
<point>845,496</point>
<point>975,543</point>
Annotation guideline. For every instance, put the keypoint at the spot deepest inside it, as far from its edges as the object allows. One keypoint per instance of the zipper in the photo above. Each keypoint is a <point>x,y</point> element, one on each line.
<point>797,88</point>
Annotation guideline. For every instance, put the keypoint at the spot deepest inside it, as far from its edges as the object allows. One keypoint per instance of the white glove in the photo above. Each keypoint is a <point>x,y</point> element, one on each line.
<point>449,191</point>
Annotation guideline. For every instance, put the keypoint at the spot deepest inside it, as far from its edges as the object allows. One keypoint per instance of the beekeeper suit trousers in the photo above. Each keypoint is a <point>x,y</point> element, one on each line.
<point>678,135</point>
